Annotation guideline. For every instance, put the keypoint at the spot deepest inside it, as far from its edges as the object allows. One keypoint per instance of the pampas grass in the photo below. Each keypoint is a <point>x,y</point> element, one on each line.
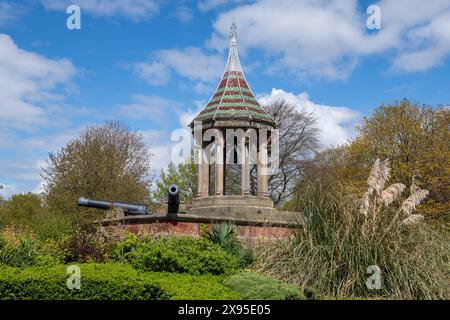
<point>409,205</point>
<point>373,199</point>
<point>392,193</point>
<point>332,250</point>
<point>412,219</point>
<point>378,176</point>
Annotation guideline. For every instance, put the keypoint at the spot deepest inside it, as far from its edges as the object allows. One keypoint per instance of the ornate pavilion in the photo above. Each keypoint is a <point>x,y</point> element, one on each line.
<point>232,106</point>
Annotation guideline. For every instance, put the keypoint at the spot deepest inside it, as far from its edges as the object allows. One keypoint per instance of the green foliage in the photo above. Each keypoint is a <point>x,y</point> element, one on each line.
<point>332,251</point>
<point>175,254</point>
<point>254,286</point>
<point>19,249</point>
<point>184,175</point>
<point>225,235</point>
<point>108,282</point>
<point>107,162</point>
<point>28,211</point>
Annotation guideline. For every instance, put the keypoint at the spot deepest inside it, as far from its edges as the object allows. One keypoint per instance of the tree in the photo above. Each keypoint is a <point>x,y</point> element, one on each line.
<point>416,140</point>
<point>184,175</point>
<point>28,211</point>
<point>298,136</point>
<point>107,162</point>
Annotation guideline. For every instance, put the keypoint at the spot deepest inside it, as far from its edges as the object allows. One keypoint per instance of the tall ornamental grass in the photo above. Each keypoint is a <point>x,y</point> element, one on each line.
<point>343,236</point>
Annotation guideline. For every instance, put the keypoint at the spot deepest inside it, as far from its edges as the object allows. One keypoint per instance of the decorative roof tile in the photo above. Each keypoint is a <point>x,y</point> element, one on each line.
<point>233,98</point>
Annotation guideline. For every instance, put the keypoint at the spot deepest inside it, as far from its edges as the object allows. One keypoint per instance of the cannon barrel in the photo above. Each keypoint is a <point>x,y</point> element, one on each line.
<point>173,199</point>
<point>127,208</point>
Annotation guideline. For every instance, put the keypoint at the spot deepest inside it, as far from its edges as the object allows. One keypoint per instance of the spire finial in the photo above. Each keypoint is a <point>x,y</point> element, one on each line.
<point>233,33</point>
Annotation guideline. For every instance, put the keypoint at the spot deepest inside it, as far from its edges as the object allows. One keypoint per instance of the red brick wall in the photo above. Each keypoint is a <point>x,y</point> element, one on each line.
<point>248,234</point>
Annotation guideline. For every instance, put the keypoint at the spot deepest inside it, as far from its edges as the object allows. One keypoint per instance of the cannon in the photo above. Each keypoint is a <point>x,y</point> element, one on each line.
<point>173,203</point>
<point>173,198</point>
<point>127,208</point>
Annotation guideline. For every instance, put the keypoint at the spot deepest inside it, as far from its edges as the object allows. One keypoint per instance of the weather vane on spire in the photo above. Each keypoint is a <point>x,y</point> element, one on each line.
<point>233,33</point>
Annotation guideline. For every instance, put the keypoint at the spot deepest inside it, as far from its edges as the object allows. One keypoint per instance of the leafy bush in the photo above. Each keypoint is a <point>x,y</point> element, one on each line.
<point>253,286</point>
<point>85,246</point>
<point>108,281</point>
<point>175,254</point>
<point>21,249</point>
<point>28,211</point>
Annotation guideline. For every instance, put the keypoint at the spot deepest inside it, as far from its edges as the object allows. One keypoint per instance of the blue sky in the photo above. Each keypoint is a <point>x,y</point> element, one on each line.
<point>153,63</point>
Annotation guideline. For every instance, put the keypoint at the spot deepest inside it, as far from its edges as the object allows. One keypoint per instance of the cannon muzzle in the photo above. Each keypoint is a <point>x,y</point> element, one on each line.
<point>173,199</point>
<point>127,208</point>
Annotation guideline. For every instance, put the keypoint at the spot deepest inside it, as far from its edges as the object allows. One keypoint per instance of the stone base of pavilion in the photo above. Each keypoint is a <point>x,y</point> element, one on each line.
<point>254,221</point>
<point>245,206</point>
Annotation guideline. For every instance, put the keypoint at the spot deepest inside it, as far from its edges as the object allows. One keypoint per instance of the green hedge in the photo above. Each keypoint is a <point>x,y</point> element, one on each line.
<point>175,254</point>
<point>253,286</point>
<point>108,281</point>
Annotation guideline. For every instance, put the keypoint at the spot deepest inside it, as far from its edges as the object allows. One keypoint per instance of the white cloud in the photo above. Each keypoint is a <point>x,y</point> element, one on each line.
<point>8,190</point>
<point>136,10</point>
<point>34,116</point>
<point>159,143</point>
<point>188,115</point>
<point>192,63</point>
<point>183,13</point>
<point>21,171</point>
<point>155,108</point>
<point>39,188</point>
<point>335,123</point>
<point>29,85</point>
<point>206,5</point>
<point>9,12</point>
<point>155,73</point>
<point>328,38</point>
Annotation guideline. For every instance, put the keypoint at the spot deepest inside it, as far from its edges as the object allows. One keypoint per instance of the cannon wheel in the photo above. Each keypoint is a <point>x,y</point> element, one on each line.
<point>115,214</point>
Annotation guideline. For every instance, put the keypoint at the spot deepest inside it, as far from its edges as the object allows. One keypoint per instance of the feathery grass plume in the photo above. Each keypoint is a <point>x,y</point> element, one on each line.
<point>365,203</point>
<point>379,175</point>
<point>384,175</point>
<point>373,176</point>
<point>413,200</point>
<point>412,219</point>
<point>392,193</point>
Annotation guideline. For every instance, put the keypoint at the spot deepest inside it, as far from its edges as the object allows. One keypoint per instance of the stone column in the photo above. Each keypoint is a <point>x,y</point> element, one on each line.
<point>261,171</point>
<point>245,170</point>
<point>220,145</point>
<point>199,158</point>
<point>203,174</point>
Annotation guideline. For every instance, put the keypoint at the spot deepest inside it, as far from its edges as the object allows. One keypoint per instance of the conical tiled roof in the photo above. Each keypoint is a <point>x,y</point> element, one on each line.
<point>233,99</point>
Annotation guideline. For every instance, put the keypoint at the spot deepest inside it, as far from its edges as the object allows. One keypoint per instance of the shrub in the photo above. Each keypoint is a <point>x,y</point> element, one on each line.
<point>225,235</point>
<point>341,239</point>
<point>253,286</point>
<point>21,249</point>
<point>175,254</point>
<point>28,211</point>
<point>108,281</point>
<point>85,246</point>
